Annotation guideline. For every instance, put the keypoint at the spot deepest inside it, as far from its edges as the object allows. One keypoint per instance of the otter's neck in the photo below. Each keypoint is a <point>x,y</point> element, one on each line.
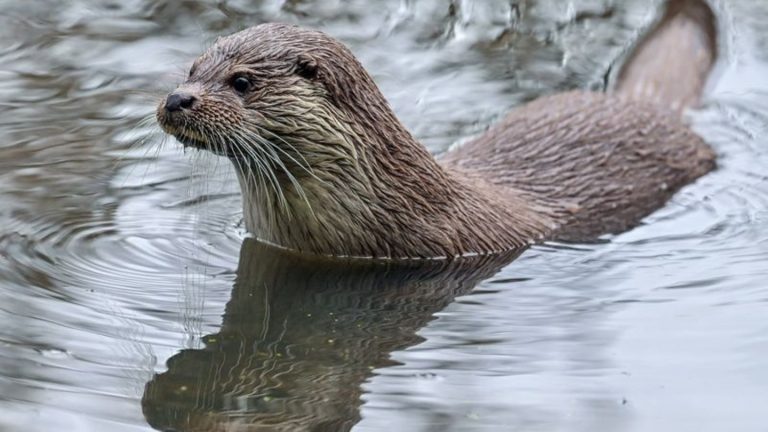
<point>375,191</point>
<point>393,200</point>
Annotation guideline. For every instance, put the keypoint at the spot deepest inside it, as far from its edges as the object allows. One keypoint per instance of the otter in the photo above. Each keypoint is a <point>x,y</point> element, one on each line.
<point>326,168</point>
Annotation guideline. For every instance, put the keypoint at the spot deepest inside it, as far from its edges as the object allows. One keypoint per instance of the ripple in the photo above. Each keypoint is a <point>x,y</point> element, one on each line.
<point>115,255</point>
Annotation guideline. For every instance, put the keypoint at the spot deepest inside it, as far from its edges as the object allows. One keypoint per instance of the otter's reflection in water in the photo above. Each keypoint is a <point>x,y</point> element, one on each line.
<point>299,336</point>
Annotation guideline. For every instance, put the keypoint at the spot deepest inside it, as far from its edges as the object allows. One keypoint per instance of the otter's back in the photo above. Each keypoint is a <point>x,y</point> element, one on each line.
<point>600,162</point>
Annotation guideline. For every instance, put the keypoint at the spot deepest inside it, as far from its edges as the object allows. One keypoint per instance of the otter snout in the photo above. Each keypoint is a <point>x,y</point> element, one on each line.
<point>178,108</point>
<point>185,97</point>
<point>179,100</point>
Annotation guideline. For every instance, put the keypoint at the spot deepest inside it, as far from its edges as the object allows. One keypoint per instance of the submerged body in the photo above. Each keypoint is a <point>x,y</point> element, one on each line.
<point>326,168</point>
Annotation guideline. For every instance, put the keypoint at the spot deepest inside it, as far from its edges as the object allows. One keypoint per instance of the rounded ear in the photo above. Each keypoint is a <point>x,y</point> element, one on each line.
<point>306,66</point>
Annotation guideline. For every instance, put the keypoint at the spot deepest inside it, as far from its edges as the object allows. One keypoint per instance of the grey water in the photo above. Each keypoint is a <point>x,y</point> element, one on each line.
<point>131,298</point>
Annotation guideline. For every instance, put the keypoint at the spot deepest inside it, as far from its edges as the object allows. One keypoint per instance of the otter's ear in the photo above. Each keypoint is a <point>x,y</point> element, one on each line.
<point>306,66</point>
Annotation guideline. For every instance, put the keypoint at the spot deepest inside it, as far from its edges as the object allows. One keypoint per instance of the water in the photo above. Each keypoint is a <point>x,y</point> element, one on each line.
<point>129,298</point>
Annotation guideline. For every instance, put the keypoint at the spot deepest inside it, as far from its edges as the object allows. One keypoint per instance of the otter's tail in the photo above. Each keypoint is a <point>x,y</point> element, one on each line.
<point>671,64</point>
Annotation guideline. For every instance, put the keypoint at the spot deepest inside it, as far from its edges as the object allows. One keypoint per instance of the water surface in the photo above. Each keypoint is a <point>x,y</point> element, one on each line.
<point>130,298</point>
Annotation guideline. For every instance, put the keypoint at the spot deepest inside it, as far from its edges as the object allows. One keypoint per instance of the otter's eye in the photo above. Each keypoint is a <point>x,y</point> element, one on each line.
<point>306,67</point>
<point>241,84</point>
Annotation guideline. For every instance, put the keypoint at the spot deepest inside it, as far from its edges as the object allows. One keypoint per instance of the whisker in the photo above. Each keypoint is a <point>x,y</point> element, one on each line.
<point>306,167</point>
<point>263,172</point>
<point>151,136</point>
<point>256,154</point>
<point>299,189</point>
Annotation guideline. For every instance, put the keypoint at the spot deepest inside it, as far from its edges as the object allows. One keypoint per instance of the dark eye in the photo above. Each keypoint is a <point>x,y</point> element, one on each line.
<point>306,67</point>
<point>241,84</point>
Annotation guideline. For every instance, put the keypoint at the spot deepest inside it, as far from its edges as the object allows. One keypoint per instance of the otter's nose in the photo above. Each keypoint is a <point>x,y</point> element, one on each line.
<point>177,101</point>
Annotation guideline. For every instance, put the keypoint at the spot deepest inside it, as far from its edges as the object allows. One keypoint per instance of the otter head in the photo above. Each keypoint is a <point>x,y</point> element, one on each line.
<point>278,95</point>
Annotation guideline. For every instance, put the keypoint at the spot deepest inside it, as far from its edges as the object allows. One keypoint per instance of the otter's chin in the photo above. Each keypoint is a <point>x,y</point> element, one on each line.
<point>185,137</point>
<point>188,141</point>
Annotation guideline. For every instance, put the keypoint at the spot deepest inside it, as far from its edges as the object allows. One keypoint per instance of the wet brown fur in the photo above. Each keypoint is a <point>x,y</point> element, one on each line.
<point>326,167</point>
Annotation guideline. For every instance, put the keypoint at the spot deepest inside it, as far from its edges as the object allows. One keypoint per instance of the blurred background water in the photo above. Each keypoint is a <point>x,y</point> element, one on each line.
<point>128,297</point>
